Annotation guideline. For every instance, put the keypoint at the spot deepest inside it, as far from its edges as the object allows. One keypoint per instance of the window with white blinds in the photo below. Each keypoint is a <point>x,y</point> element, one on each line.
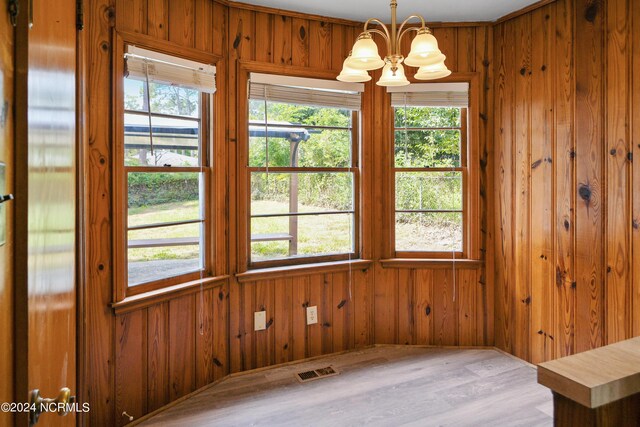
<point>305,91</point>
<point>431,169</point>
<point>143,64</point>
<point>431,95</point>
<point>165,170</point>
<point>302,169</point>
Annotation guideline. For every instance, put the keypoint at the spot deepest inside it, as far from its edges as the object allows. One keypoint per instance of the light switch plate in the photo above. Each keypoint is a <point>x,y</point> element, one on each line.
<point>312,315</point>
<point>260,320</point>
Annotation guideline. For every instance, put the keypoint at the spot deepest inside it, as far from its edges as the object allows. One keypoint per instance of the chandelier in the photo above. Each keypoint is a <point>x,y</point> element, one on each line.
<point>424,54</point>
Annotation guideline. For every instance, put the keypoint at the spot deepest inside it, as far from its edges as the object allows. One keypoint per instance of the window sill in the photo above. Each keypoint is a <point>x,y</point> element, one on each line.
<point>150,298</point>
<point>302,270</point>
<point>431,263</point>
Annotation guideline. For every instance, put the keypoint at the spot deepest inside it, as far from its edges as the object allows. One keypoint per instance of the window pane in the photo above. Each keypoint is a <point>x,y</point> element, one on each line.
<point>300,130</point>
<point>307,115</point>
<point>134,98</point>
<point>163,197</point>
<point>165,99</point>
<point>269,238</point>
<point>301,192</point>
<point>428,148</point>
<point>301,236</point>
<point>427,117</point>
<point>159,253</point>
<point>295,146</point>
<point>176,141</point>
<point>429,232</point>
<point>429,190</point>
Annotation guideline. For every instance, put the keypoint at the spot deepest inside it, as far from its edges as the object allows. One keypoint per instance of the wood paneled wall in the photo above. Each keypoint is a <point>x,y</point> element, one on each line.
<point>427,306</point>
<point>7,332</point>
<point>145,357</point>
<point>567,207</point>
<point>344,317</point>
<point>168,350</point>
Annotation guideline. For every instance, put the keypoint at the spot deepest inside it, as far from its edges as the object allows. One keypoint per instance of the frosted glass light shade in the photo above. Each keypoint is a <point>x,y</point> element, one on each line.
<point>424,51</point>
<point>388,77</point>
<point>349,74</point>
<point>365,55</point>
<point>432,72</point>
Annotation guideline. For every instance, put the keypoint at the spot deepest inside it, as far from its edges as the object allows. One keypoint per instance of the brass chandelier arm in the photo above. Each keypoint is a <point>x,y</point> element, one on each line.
<point>406,21</point>
<point>379,22</point>
<point>406,30</point>
<point>384,36</point>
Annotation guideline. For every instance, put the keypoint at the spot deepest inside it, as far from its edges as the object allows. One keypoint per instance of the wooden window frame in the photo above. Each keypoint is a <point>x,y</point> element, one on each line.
<point>470,168</point>
<point>244,172</point>
<point>121,288</point>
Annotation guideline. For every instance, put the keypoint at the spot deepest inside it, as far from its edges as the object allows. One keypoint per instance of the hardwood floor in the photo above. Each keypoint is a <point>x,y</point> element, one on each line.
<point>386,385</point>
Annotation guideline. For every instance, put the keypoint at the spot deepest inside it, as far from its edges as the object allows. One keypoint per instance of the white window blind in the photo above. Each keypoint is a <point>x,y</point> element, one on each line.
<point>305,91</point>
<point>431,95</point>
<point>165,69</point>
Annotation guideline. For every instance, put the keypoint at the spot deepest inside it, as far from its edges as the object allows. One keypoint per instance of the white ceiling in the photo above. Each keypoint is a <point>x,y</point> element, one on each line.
<point>432,10</point>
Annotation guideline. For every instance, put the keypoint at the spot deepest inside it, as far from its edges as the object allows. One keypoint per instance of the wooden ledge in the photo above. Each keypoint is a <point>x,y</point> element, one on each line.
<point>150,298</point>
<point>302,270</point>
<point>430,263</point>
<point>596,377</point>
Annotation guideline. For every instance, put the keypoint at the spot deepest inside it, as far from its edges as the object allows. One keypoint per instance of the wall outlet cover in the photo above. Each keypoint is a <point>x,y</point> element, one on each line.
<point>260,320</point>
<point>312,315</point>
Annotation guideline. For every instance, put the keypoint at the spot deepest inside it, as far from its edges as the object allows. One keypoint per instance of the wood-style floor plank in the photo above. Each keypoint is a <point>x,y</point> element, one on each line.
<point>385,385</point>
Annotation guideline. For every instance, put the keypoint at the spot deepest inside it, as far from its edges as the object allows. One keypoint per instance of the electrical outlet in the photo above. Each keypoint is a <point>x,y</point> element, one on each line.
<point>312,315</point>
<point>260,320</point>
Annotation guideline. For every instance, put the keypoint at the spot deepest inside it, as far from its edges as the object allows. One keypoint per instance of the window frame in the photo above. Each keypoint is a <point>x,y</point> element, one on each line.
<point>244,171</point>
<point>469,166</point>
<point>120,173</point>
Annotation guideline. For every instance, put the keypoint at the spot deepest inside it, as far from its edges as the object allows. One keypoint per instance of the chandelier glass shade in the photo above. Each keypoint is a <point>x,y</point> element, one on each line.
<point>424,53</point>
<point>432,72</point>
<point>349,74</point>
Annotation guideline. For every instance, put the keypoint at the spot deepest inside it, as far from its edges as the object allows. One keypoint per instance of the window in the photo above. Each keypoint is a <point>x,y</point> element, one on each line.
<point>431,171</point>
<point>165,168</point>
<point>302,156</point>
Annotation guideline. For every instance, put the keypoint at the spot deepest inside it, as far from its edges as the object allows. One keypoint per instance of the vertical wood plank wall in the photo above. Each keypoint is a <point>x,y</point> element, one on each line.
<point>7,106</point>
<point>567,206</point>
<point>144,358</point>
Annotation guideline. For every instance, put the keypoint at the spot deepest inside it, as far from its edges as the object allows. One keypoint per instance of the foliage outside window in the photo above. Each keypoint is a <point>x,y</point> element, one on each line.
<point>302,172</point>
<point>430,174</point>
<point>165,172</point>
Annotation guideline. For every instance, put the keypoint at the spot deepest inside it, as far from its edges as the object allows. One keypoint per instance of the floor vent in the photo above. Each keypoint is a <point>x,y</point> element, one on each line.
<point>315,374</point>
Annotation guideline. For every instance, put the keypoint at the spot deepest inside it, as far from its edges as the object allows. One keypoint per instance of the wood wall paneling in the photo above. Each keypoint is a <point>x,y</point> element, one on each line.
<point>617,166</point>
<point>7,98</point>
<point>181,346</point>
<point>423,315</point>
<point>542,184</point>
<point>581,238</point>
<point>131,375</point>
<point>522,188</point>
<point>157,356</point>
<point>589,139</point>
<point>565,181</point>
<point>503,183</point>
<point>635,149</point>
<point>100,329</point>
